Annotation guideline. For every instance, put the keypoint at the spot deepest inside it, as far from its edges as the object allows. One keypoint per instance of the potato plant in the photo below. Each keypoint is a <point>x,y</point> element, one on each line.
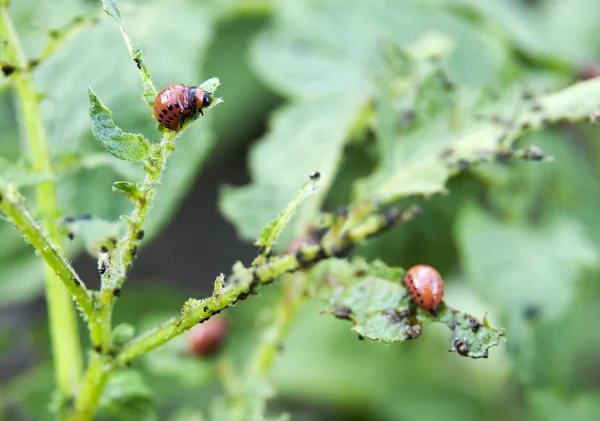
<point>412,133</point>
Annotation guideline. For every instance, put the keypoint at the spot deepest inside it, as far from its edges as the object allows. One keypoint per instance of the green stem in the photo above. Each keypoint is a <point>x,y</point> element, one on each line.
<point>238,287</point>
<point>122,257</point>
<point>242,398</point>
<point>11,205</point>
<point>196,311</point>
<point>63,35</point>
<point>120,260</point>
<point>66,347</point>
<point>93,384</point>
<point>272,338</point>
<point>245,281</point>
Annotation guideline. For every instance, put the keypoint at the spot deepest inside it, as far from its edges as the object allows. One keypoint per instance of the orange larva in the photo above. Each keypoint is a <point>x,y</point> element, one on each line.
<point>425,285</point>
<point>175,103</point>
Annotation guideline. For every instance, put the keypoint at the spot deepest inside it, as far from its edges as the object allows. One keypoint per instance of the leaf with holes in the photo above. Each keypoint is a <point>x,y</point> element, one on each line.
<point>372,296</point>
<point>420,161</point>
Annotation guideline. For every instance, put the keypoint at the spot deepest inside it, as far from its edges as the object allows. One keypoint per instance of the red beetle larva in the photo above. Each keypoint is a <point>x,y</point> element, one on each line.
<point>425,285</point>
<point>177,102</point>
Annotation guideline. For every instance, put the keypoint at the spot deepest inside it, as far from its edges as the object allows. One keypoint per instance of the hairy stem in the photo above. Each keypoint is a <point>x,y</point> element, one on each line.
<point>238,287</point>
<point>121,259</point>
<point>244,282</point>
<point>12,207</point>
<point>66,347</point>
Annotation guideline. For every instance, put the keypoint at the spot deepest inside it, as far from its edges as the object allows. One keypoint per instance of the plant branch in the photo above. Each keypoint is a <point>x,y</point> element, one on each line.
<point>239,286</point>
<point>11,206</point>
<point>114,265</point>
<point>58,37</point>
<point>66,347</point>
<point>244,282</point>
<point>121,259</point>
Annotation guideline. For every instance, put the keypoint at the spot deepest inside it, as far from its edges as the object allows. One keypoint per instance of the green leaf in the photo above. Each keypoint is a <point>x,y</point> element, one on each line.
<point>304,138</point>
<point>319,48</point>
<point>302,72</point>
<point>558,34</point>
<point>68,164</point>
<point>211,85</point>
<point>271,231</point>
<point>173,362</point>
<point>374,299</point>
<point>328,59</point>
<point>187,413</point>
<point>82,189</point>
<point>518,190</point>
<point>128,189</point>
<point>517,267</point>
<point>420,161</point>
<point>126,397</point>
<point>123,145</point>
<point>111,9</point>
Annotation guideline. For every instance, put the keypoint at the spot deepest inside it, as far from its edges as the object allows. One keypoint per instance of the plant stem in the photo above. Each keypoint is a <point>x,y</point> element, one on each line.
<point>242,396</point>
<point>238,287</point>
<point>93,384</point>
<point>112,281</point>
<point>243,282</point>
<point>196,311</point>
<point>122,257</point>
<point>11,206</point>
<point>293,297</point>
<point>66,347</point>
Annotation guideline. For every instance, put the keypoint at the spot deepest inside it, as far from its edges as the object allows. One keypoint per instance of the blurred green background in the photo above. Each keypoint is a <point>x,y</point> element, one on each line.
<point>518,240</point>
